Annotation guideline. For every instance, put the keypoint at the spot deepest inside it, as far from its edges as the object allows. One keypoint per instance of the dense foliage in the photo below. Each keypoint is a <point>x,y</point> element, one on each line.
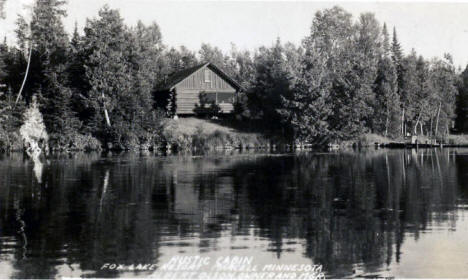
<point>347,78</point>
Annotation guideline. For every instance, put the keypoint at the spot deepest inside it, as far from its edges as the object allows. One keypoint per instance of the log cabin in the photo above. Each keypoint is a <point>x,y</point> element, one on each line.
<point>180,95</point>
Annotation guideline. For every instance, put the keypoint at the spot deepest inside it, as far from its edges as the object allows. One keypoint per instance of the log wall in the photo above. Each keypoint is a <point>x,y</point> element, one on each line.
<point>188,91</point>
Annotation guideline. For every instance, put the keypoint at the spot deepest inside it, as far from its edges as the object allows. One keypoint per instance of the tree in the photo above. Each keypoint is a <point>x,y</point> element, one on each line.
<point>3,56</point>
<point>33,131</point>
<point>49,44</point>
<point>275,78</point>
<point>244,68</point>
<point>211,54</point>
<point>387,112</point>
<point>146,50</point>
<point>121,67</point>
<point>107,70</point>
<point>397,53</point>
<point>397,57</point>
<point>421,101</point>
<point>340,42</point>
<point>368,51</point>
<point>407,87</point>
<point>387,101</point>
<point>385,41</point>
<point>444,82</point>
<point>308,107</point>
<point>175,60</point>
<point>462,102</point>
<point>11,118</point>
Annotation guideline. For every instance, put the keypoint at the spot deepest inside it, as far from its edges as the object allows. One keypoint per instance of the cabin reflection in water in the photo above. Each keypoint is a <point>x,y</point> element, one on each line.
<point>352,212</point>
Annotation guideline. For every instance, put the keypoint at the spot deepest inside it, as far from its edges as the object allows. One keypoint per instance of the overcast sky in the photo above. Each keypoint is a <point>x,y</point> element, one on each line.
<point>430,28</point>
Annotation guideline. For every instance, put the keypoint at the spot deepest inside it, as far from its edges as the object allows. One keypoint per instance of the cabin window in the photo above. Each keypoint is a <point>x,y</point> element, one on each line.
<point>209,97</point>
<point>207,76</point>
<point>225,97</point>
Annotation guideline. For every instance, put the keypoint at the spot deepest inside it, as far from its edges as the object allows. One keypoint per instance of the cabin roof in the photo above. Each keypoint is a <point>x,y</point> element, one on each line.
<point>178,77</point>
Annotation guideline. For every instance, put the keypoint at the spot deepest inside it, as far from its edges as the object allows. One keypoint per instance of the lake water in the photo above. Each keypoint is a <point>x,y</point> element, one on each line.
<point>375,213</point>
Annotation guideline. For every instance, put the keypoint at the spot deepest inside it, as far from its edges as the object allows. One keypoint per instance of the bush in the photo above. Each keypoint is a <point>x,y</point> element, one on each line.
<point>87,143</point>
<point>10,141</point>
<point>74,142</point>
<point>33,131</point>
<point>207,108</point>
<point>457,139</point>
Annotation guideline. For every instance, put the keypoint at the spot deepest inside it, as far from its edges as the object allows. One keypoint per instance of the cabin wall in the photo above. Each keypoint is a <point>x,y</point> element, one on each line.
<point>188,91</point>
<point>197,81</point>
<point>187,99</point>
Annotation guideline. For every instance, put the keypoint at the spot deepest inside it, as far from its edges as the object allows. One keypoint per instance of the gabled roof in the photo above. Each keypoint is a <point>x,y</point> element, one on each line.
<point>178,77</point>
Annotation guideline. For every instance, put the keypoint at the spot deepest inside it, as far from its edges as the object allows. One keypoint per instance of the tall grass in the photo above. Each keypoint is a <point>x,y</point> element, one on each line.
<point>201,140</point>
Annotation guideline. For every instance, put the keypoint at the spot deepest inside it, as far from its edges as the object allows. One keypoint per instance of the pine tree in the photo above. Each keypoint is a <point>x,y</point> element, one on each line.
<point>107,70</point>
<point>11,118</point>
<point>385,40</point>
<point>308,107</point>
<point>462,102</point>
<point>275,78</point>
<point>3,74</point>
<point>146,54</point>
<point>387,113</point>
<point>407,87</point>
<point>397,57</point>
<point>397,53</point>
<point>48,66</point>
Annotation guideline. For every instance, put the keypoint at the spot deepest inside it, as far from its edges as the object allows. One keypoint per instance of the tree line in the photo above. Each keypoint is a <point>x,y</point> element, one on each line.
<point>346,78</point>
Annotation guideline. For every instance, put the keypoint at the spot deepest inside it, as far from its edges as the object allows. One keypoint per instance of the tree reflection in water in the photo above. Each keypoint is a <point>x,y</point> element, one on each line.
<point>351,211</point>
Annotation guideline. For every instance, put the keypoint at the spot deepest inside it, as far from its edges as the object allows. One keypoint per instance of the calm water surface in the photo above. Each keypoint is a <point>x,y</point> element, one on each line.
<point>377,213</point>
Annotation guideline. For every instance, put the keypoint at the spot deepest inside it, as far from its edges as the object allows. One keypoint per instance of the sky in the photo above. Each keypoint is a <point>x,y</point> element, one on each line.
<point>431,28</point>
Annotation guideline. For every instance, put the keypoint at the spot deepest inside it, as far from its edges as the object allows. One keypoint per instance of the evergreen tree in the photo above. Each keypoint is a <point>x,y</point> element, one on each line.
<point>397,53</point>
<point>145,55</point>
<point>107,69</point>
<point>122,71</point>
<point>385,40</point>
<point>462,102</point>
<point>407,87</point>
<point>275,78</point>
<point>3,74</point>
<point>308,107</point>
<point>387,113</point>
<point>48,67</point>
<point>397,57</point>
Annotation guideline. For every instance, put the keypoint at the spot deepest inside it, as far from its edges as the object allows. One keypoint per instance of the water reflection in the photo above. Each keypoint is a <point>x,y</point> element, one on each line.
<point>356,213</point>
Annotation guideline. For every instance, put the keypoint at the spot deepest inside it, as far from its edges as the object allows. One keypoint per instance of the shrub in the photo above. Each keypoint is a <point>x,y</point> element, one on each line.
<point>74,142</point>
<point>33,131</point>
<point>10,141</point>
<point>207,108</point>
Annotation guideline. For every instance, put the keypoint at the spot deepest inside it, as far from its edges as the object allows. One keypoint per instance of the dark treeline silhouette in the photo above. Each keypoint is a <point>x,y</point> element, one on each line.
<point>347,78</point>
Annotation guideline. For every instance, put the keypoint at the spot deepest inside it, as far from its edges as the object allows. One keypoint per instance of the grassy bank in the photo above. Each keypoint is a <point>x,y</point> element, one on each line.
<point>204,135</point>
<point>459,140</point>
<point>370,139</point>
<point>200,135</point>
